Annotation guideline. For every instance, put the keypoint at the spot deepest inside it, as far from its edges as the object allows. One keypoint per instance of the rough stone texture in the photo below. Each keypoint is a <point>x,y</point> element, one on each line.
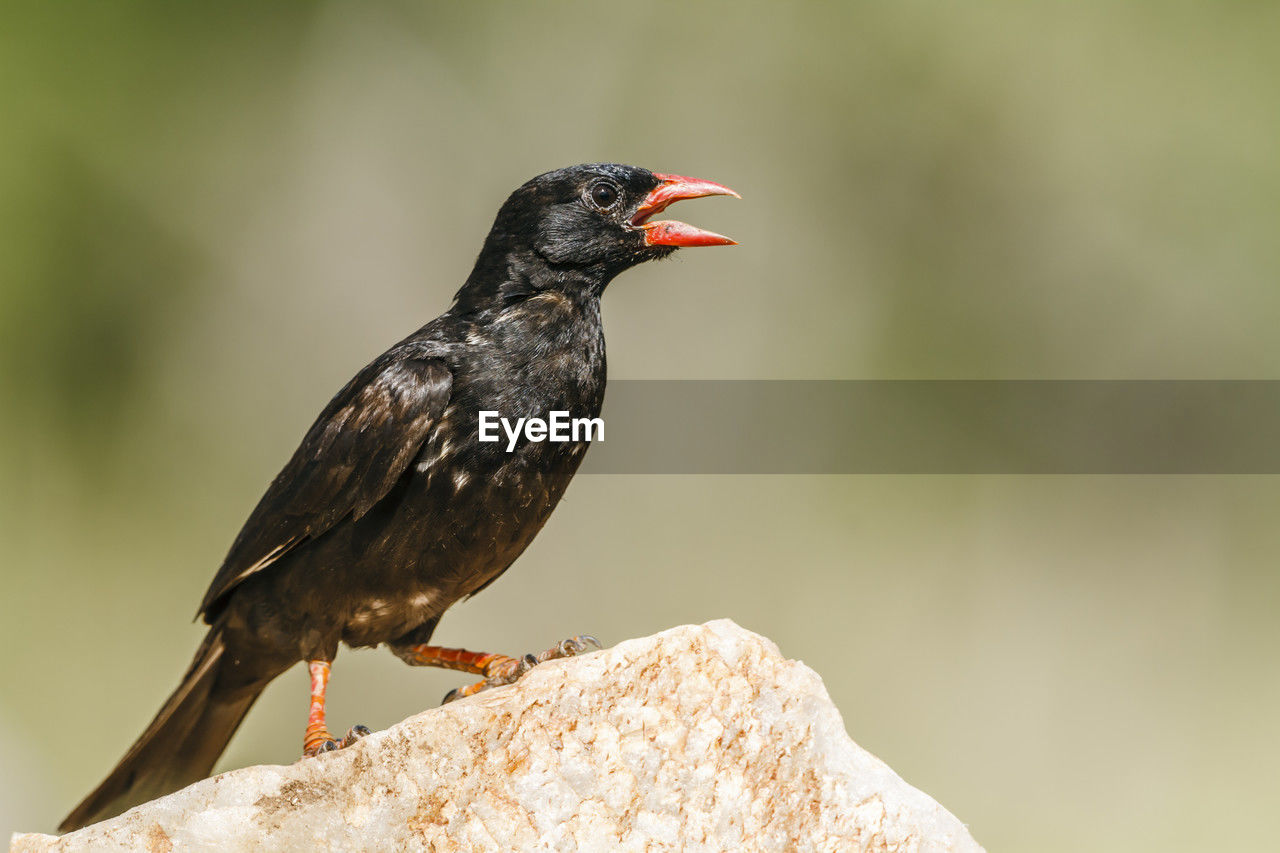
<point>698,738</point>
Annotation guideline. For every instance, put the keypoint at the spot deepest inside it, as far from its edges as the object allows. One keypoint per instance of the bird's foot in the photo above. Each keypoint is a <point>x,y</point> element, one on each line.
<point>501,670</point>
<point>321,741</point>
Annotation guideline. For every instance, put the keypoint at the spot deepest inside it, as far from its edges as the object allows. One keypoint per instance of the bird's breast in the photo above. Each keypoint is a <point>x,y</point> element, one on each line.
<point>490,470</point>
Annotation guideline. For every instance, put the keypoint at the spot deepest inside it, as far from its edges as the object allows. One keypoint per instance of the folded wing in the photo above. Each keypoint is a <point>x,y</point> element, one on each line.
<point>355,452</point>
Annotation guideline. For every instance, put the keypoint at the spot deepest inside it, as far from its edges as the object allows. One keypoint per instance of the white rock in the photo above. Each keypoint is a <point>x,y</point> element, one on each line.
<point>698,738</point>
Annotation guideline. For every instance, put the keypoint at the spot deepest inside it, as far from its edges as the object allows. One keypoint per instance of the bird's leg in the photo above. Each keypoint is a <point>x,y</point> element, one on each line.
<point>317,738</point>
<point>496,669</point>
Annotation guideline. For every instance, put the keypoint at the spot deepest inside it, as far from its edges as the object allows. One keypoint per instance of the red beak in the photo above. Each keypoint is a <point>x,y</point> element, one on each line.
<point>667,232</point>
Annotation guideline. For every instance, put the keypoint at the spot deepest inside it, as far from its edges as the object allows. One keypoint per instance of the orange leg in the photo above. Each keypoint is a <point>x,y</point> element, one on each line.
<point>476,663</point>
<point>496,669</point>
<point>317,738</point>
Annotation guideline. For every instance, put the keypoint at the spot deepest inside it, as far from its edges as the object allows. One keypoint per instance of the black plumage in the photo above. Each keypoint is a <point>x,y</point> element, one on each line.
<point>391,509</point>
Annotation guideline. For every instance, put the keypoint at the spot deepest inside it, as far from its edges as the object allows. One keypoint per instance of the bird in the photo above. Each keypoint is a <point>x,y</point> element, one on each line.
<point>392,509</point>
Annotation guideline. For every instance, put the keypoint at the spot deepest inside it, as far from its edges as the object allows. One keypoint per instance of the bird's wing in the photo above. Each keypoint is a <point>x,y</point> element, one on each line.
<point>359,447</point>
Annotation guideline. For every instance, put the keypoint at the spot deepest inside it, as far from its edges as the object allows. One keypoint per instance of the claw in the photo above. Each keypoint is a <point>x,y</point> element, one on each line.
<point>326,745</point>
<point>331,744</point>
<point>354,734</point>
<point>570,647</point>
<point>319,743</point>
<point>578,645</point>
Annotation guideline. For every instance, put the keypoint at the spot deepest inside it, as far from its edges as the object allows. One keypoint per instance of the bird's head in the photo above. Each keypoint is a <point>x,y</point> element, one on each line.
<point>581,226</point>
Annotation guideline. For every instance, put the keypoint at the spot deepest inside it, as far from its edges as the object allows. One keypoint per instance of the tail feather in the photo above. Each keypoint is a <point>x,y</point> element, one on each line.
<point>182,743</point>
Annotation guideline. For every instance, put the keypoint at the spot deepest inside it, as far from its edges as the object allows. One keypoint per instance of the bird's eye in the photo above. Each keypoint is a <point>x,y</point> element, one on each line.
<point>604,195</point>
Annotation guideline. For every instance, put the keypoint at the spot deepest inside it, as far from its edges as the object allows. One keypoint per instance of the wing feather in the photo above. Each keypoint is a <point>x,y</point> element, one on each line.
<point>355,452</point>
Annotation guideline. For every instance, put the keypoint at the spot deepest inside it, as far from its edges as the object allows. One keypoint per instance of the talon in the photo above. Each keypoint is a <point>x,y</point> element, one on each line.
<point>570,647</point>
<point>354,734</point>
<point>577,645</point>
<point>316,747</point>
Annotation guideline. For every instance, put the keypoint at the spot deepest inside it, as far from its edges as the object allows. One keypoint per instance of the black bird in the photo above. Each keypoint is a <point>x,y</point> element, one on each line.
<point>392,509</point>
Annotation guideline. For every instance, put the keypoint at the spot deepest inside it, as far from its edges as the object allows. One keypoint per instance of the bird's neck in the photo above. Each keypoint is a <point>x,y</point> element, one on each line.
<point>502,276</point>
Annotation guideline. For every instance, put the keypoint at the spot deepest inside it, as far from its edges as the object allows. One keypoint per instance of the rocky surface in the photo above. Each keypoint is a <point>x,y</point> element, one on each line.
<point>698,738</point>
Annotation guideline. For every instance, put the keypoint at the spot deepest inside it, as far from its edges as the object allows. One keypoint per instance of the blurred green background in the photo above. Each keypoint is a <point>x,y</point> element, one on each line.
<point>211,217</point>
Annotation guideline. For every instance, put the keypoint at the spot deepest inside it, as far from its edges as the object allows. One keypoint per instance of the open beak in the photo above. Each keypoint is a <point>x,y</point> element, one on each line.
<point>668,232</point>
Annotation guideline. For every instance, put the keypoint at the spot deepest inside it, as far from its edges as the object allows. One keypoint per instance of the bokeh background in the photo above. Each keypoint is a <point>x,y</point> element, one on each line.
<point>210,217</point>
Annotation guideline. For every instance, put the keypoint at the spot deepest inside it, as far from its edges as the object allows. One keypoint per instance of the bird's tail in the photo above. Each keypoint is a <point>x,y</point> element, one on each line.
<point>183,741</point>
